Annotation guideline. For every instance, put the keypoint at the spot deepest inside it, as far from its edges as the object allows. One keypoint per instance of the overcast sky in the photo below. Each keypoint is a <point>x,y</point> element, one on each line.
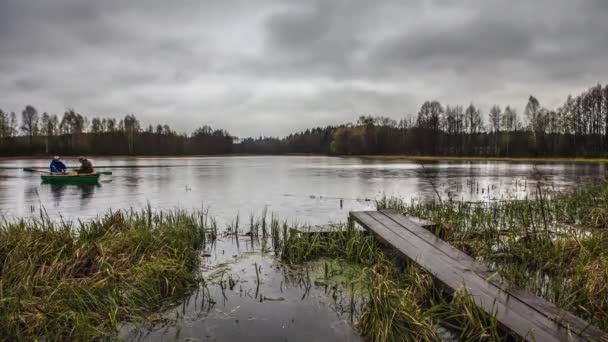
<point>275,66</point>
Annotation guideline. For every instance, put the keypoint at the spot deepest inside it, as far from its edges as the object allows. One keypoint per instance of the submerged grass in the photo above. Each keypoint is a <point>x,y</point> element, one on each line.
<point>79,281</point>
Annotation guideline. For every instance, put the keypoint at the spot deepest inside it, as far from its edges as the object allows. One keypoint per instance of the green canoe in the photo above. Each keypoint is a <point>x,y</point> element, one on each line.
<point>89,178</point>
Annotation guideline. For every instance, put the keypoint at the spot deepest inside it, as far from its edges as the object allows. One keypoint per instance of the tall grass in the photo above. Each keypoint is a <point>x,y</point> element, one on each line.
<point>343,242</point>
<point>395,310</point>
<point>79,281</point>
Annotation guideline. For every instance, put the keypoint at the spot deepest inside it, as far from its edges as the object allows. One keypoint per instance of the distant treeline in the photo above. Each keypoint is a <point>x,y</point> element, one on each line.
<point>577,128</point>
<point>73,134</point>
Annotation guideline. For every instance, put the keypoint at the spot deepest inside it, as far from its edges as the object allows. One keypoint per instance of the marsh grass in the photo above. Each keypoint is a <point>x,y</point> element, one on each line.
<point>81,280</point>
<point>400,301</point>
<point>553,244</point>
<point>343,242</point>
<point>395,308</point>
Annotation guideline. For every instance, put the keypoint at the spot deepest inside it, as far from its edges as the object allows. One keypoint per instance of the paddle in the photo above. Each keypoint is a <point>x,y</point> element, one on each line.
<point>29,169</point>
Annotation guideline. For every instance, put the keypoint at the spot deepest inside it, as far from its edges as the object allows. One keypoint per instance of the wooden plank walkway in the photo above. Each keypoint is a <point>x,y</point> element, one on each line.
<point>517,311</point>
<point>332,228</point>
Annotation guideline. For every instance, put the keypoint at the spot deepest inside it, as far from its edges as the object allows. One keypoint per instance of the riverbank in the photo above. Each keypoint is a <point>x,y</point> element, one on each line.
<point>371,157</point>
<point>120,156</point>
<point>483,159</point>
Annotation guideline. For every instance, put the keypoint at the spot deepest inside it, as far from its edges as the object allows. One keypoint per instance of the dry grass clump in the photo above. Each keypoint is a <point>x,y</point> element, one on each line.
<point>599,217</point>
<point>594,283</point>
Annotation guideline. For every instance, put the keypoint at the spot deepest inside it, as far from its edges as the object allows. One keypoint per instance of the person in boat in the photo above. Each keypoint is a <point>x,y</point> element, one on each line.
<point>85,166</point>
<point>57,166</point>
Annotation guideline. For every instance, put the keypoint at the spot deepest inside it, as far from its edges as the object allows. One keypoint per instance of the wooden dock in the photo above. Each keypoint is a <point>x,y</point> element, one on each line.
<point>517,311</point>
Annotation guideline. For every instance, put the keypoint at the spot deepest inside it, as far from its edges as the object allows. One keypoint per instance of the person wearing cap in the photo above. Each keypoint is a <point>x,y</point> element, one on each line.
<point>85,166</point>
<point>57,166</point>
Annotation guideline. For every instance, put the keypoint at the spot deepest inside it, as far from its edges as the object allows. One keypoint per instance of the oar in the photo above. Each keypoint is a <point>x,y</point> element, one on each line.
<point>29,169</point>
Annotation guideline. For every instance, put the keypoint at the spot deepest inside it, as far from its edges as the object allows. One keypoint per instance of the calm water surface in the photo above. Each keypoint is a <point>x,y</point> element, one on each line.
<point>301,189</point>
<point>288,304</point>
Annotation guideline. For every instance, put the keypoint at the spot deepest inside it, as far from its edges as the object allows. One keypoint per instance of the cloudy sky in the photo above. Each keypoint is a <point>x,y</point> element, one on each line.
<point>275,66</point>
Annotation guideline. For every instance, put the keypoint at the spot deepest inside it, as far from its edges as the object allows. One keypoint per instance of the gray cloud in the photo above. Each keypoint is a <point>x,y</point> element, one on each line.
<point>274,66</point>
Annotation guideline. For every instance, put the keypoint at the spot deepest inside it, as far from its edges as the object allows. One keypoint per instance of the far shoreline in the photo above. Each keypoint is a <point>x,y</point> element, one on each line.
<point>481,159</point>
<point>587,160</point>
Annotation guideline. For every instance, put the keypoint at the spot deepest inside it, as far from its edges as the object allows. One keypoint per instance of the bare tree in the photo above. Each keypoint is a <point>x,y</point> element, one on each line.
<point>48,128</point>
<point>495,116</point>
<point>29,122</point>
<point>4,125</point>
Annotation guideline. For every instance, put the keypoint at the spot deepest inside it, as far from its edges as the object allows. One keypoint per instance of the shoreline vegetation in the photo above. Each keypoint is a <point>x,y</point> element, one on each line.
<point>484,159</point>
<point>578,129</point>
<point>426,158</point>
<point>83,280</point>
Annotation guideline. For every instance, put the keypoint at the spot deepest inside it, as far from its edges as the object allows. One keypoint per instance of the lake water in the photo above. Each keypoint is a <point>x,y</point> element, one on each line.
<point>313,190</point>
<point>287,304</point>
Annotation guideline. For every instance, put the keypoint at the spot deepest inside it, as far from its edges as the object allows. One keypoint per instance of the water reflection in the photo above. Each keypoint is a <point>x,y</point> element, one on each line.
<point>85,191</point>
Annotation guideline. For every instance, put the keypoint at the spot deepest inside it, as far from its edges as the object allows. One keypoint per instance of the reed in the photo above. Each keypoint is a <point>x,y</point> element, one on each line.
<point>553,244</point>
<point>81,280</point>
<point>344,242</point>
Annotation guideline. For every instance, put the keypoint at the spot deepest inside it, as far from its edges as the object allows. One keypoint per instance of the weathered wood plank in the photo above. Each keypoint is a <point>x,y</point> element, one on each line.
<point>438,243</point>
<point>513,316</point>
<point>422,222</point>
<point>455,270</point>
